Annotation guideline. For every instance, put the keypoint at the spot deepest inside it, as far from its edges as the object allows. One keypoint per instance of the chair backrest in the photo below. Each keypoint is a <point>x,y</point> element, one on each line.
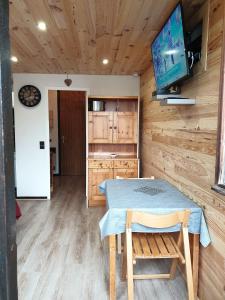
<point>157,221</point>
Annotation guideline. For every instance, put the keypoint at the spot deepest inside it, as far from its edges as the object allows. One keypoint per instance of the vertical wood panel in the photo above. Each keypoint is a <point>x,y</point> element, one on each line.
<point>8,252</point>
<point>179,145</point>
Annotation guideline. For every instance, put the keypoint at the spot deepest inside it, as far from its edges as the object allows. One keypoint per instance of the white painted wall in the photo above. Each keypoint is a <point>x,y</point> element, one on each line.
<point>31,124</point>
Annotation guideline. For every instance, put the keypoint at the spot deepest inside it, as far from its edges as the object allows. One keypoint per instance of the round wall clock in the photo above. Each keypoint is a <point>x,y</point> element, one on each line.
<point>29,95</point>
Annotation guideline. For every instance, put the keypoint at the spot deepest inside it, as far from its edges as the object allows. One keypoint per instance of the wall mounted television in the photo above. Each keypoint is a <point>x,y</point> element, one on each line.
<point>169,53</point>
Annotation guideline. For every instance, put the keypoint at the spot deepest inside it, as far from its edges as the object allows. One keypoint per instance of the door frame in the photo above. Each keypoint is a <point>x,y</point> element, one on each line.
<point>87,93</point>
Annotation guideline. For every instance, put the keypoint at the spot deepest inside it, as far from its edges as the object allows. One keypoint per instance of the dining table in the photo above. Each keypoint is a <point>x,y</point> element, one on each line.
<point>155,196</point>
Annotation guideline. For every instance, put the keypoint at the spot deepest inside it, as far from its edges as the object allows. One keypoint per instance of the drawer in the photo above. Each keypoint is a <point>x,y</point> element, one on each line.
<point>100,164</point>
<point>125,164</point>
<point>126,173</point>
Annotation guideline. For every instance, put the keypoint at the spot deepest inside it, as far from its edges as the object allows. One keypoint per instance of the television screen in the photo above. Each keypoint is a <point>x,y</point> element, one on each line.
<point>168,52</point>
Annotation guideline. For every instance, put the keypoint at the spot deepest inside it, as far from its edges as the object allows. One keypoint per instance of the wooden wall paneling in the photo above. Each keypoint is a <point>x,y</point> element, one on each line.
<point>179,145</point>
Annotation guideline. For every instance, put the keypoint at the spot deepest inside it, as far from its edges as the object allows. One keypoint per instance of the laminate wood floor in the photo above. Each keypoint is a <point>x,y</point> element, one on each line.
<point>61,256</point>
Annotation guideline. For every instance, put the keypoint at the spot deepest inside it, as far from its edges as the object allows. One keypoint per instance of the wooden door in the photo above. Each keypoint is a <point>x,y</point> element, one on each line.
<point>95,177</point>
<point>100,127</point>
<point>125,128</point>
<point>72,132</point>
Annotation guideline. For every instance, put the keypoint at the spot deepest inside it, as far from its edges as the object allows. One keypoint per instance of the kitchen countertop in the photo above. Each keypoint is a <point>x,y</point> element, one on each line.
<point>108,157</point>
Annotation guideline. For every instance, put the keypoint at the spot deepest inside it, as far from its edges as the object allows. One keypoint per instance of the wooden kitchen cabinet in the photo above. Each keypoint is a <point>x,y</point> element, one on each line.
<point>100,170</point>
<point>125,168</point>
<point>100,127</point>
<point>126,173</point>
<point>112,127</point>
<point>124,128</point>
<point>112,131</point>
<point>125,164</point>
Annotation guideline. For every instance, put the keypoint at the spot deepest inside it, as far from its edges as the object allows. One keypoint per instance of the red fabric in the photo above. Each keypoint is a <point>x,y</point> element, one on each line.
<point>18,211</point>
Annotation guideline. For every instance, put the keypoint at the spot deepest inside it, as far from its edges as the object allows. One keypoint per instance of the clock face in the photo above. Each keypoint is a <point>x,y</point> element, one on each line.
<point>29,95</point>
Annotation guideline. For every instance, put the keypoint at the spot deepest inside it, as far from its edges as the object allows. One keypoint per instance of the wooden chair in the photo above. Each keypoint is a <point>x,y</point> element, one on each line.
<point>156,245</point>
<point>119,240</point>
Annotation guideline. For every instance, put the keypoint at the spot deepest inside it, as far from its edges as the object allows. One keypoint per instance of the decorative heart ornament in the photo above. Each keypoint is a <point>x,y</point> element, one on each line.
<point>68,81</point>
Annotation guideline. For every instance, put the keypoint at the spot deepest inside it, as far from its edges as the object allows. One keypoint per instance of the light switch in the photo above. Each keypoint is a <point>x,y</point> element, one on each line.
<point>42,145</point>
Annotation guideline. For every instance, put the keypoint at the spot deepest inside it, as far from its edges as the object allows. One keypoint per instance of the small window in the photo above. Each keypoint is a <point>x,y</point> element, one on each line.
<point>220,163</point>
<point>220,158</point>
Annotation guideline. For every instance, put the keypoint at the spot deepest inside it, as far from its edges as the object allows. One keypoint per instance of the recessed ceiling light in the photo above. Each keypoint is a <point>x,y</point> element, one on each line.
<point>105,61</point>
<point>42,26</point>
<point>14,59</point>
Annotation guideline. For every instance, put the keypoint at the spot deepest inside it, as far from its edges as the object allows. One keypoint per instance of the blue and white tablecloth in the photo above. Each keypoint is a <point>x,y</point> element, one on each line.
<point>151,196</point>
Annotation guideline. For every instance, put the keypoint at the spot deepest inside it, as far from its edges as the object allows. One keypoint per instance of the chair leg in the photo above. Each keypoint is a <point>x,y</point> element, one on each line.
<point>175,260</point>
<point>119,244</point>
<point>130,282</point>
<point>124,261</point>
<point>112,267</point>
<point>187,254</point>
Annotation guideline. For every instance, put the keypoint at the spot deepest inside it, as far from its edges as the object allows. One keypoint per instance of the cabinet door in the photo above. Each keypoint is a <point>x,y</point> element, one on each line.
<point>125,128</point>
<point>100,127</point>
<point>95,177</point>
<point>126,173</point>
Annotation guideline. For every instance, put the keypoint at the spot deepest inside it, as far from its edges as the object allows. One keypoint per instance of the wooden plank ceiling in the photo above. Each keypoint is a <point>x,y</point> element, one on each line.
<point>80,33</point>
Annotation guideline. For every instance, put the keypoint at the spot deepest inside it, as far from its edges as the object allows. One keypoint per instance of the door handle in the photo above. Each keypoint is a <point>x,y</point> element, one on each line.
<point>63,139</point>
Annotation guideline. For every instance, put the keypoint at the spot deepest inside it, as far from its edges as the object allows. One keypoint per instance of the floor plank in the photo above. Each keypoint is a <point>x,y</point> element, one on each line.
<point>61,256</point>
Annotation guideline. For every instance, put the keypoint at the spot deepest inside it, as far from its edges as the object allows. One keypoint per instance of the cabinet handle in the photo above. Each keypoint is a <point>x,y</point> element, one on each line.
<point>110,127</point>
<point>115,127</point>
